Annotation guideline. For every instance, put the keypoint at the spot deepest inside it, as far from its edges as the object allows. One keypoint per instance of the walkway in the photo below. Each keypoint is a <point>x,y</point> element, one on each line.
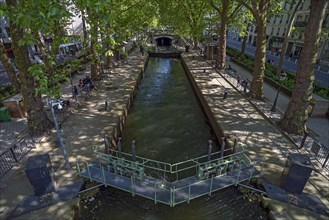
<point>318,125</point>
<point>237,116</point>
<point>85,127</point>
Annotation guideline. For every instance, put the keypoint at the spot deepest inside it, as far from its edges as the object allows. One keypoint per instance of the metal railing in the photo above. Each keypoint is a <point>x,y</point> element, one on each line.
<point>179,191</point>
<point>15,153</point>
<point>316,149</point>
<point>174,171</point>
<point>313,147</point>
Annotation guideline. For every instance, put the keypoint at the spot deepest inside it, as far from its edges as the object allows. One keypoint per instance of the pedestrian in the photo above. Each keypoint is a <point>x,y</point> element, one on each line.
<point>245,85</point>
<point>75,92</point>
<point>238,79</point>
<point>272,62</point>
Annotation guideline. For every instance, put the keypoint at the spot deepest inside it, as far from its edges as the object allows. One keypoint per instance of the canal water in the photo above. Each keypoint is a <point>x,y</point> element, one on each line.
<point>165,119</point>
<point>168,125</point>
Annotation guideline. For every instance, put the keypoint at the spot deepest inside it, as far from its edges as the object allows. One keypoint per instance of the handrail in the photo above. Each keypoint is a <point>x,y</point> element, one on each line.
<point>176,168</point>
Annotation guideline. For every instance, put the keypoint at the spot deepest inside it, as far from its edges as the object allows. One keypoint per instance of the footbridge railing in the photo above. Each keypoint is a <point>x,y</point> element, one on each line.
<point>167,183</point>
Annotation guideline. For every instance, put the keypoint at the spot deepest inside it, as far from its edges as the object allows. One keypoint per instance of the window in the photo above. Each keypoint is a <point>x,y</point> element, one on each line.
<point>299,18</point>
<point>281,19</point>
<point>274,20</point>
<point>272,31</point>
<point>301,6</point>
<point>288,16</point>
<point>277,33</point>
<point>306,18</point>
<point>284,32</point>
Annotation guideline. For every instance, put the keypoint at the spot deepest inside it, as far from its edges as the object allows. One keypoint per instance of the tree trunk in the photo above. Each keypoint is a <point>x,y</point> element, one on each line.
<point>295,118</point>
<point>84,29</point>
<point>244,43</point>
<point>256,87</point>
<point>222,37</point>
<point>9,68</point>
<point>286,39</point>
<point>95,67</point>
<point>36,114</point>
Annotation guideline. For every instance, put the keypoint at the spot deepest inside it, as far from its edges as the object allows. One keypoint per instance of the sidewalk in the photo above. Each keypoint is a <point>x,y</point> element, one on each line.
<point>85,127</point>
<point>237,116</point>
<point>319,125</point>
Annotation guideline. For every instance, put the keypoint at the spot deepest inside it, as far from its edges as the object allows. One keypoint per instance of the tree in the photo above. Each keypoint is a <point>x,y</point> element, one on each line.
<point>226,9</point>
<point>36,114</point>
<point>295,118</point>
<point>287,36</point>
<point>186,17</point>
<point>259,10</point>
<point>8,65</point>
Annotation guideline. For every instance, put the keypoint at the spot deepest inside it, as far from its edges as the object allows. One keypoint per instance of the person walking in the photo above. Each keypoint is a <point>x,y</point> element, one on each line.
<point>238,79</point>
<point>75,93</point>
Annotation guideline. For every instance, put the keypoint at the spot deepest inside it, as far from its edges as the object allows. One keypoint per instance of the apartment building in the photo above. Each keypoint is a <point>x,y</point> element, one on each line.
<point>277,27</point>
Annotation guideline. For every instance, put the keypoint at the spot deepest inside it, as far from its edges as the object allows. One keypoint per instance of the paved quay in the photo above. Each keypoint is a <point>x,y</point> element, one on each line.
<point>85,127</point>
<point>89,123</point>
<point>237,116</point>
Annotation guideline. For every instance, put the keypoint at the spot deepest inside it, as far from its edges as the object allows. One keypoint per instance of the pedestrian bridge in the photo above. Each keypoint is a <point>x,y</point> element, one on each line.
<point>166,183</point>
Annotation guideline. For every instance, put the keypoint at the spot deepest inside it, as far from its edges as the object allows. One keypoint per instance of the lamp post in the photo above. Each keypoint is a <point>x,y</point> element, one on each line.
<point>282,76</point>
<point>60,139</point>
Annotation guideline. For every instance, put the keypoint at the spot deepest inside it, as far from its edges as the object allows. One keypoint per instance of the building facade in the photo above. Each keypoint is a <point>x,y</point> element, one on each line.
<point>277,27</point>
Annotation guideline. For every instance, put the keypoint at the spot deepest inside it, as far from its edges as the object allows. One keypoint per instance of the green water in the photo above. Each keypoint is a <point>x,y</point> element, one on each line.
<point>168,125</point>
<point>166,120</point>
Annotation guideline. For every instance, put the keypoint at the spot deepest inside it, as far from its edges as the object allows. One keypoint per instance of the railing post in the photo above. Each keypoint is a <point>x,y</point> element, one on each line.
<point>212,180</point>
<point>13,153</point>
<point>104,176</point>
<point>133,150</point>
<point>173,197</point>
<point>119,146</point>
<point>132,186</point>
<point>222,148</point>
<point>326,160</point>
<point>78,166</point>
<point>209,149</point>
<point>89,173</point>
<point>303,140</point>
<point>155,193</point>
<point>189,193</point>
<point>237,180</point>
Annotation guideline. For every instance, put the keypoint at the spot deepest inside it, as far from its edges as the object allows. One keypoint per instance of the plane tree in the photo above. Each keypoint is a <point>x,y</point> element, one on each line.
<point>295,118</point>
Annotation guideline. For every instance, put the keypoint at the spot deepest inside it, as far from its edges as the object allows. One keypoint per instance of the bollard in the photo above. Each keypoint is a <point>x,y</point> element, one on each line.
<point>303,140</point>
<point>133,150</point>
<point>106,105</point>
<point>235,145</point>
<point>222,147</point>
<point>204,70</point>
<point>209,149</point>
<point>119,147</point>
<point>106,145</point>
<point>225,94</point>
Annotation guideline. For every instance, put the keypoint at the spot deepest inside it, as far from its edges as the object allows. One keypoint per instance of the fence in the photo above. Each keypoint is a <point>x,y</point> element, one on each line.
<point>15,153</point>
<point>315,149</point>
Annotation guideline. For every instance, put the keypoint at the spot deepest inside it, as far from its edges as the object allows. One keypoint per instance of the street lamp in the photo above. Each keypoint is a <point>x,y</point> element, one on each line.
<point>60,139</point>
<point>282,76</point>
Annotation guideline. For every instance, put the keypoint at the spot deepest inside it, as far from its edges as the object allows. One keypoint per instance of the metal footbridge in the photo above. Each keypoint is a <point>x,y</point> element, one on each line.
<point>167,183</point>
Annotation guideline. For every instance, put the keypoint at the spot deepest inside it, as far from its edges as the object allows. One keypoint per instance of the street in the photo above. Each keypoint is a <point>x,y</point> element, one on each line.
<point>290,65</point>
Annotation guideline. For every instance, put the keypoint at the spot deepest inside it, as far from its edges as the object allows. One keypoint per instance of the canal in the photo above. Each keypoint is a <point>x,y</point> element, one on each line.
<point>168,125</point>
<point>166,120</point>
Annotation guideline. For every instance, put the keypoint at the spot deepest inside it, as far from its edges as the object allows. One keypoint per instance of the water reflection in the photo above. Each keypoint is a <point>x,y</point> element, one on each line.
<point>165,119</point>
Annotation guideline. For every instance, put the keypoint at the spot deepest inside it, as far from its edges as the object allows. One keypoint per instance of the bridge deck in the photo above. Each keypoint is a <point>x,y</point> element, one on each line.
<point>166,192</point>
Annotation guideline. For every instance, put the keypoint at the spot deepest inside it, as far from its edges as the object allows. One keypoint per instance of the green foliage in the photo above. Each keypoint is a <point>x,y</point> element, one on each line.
<point>270,72</point>
<point>6,92</point>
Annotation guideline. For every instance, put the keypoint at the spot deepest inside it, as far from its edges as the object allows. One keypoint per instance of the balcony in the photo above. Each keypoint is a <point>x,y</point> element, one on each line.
<point>300,24</point>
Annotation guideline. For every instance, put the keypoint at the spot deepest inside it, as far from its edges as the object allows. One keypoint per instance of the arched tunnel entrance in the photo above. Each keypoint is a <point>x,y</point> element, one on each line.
<point>164,41</point>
